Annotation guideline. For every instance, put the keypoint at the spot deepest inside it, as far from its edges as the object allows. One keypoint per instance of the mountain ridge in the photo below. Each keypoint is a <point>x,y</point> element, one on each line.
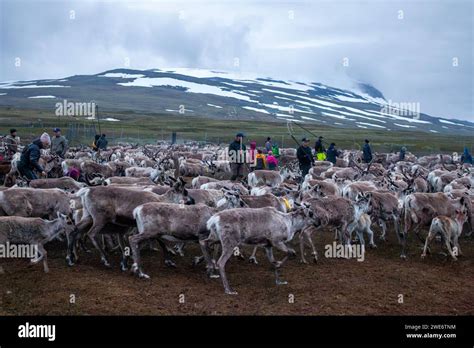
<point>228,95</point>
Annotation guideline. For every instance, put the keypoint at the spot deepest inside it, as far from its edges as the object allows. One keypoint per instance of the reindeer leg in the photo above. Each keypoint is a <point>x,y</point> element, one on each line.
<point>210,267</point>
<point>448,246</point>
<point>179,248</point>
<point>134,241</point>
<point>276,265</point>
<point>396,224</point>
<point>124,261</point>
<point>44,257</point>
<point>369,231</point>
<point>95,229</point>
<point>456,244</point>
<point>307,233</point>
<point>228,246</point>
<point>302,237</point>
<point>168,261</point>
<point>429,238</point>
<point>383,226</point>
<point>252,258</point>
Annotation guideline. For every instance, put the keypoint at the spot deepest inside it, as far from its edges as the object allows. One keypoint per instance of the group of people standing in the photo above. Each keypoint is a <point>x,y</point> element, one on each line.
<point>265,158</point>
<point>306,158</point>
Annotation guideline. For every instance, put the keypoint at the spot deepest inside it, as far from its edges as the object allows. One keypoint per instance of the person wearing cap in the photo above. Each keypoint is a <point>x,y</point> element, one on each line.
<point>237,156</point>
<point>31,155</point>
<point>367,152</point>
<point>305,157</point>
<point>332,153</point>
<point>11,143</point>
<point>58,143</point>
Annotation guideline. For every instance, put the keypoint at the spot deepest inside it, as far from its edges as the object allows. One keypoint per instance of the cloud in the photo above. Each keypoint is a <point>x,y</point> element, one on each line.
<point>405,49</point>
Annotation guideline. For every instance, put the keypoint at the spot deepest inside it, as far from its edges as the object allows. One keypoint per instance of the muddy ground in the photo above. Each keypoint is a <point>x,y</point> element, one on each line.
<point>436,285</point>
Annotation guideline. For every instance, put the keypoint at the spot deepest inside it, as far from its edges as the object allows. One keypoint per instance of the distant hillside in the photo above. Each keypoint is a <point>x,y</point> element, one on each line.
<point>214,94</point>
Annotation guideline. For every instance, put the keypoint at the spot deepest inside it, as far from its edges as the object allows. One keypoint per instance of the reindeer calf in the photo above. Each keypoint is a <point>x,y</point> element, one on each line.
<point>450,230</point>
<point>34,231</point>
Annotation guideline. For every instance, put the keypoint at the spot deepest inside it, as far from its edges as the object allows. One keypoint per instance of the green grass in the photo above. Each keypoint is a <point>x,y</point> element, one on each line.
<point>147,128</point>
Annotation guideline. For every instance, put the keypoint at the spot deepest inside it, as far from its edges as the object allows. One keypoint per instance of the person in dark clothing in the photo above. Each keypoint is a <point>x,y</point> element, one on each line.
<point>367,152</point>
<point>305,157</point>
<point>268,145</point>
<point>332,153</point>
<point>30,156</point>
<point>237,157</point>
<point>318,146</point>
<point>102,143</point>
<point>466,157</point>
<point>401,156</point>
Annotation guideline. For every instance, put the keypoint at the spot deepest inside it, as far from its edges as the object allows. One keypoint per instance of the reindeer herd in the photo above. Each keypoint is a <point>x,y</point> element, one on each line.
<point>129,198</point>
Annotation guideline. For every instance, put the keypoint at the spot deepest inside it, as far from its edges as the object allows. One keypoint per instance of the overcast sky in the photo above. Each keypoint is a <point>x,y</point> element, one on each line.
<point>407,49</point>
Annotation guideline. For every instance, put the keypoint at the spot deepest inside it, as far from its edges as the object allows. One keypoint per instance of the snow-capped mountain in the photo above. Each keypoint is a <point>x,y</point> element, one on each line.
<point>206,93</point>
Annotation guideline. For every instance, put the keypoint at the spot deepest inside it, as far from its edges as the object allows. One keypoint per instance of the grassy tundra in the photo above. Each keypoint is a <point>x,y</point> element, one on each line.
<point>147,128</point>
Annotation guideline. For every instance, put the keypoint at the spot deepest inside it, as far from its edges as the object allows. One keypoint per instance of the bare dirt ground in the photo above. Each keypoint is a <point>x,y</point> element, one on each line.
<point>436,286</point>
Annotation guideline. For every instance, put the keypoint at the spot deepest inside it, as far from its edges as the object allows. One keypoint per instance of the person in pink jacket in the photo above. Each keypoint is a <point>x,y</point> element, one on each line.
<point>272,162</point>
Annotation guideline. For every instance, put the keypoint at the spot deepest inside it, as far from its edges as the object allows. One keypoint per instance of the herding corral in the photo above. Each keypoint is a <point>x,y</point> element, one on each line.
<point>207,226</point>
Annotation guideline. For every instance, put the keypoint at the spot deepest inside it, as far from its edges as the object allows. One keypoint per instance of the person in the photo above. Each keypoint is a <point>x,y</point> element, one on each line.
<point>237,157</point>
<point>268,145</point>
<point>58,143</point>
<point>332,153</point>
<point>305,157</point>
<point>102,142</point>
<point>401,156</point>
<point>367,152</point>
<point>253,150</point>
<point>275,150</point>
<point>466,157</point>
<point>94,143</point>
<point>74,173</point>
<point>260,162</point>
<point>272,162</point>
<point>30,156</point>
<point>319,149</point>
<point>12,141</point>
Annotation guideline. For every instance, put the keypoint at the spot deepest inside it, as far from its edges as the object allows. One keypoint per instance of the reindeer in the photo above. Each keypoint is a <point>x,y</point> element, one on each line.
<point>382,207</point>
<point>200,180</point>
<point>264,227</point>
<point>29,202</point>
<point>337,212</point>
<point>421,208</point>
<point>450,229</point>
<point>265,177</point>
<point>34,231</point>
<point>65,183</point>
<point>170,222</point>
<point>114,205</point>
